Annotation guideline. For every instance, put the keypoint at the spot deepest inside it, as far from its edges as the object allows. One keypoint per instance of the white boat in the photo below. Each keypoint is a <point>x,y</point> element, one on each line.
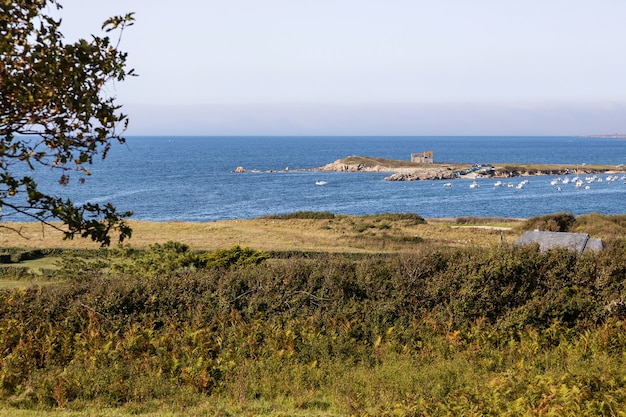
<point>321,182</point>
<point>498,184</point>
<point>474,184</point>
<point>448,184</point>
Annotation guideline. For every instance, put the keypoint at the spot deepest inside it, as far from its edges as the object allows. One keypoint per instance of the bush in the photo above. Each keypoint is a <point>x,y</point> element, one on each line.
<point>408,239</point>
<point>303,215</point>
<point>29,255</point>
<point>480,220</point>
<point>158,259</point>
<point>14,272</point>
<point>410,218</point>
<point>611,226</point>
<point>233,258</point>
<point>559,222</point>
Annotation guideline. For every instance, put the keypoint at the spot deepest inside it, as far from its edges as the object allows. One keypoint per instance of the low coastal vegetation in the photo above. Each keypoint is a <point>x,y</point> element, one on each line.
<point>444,329</point>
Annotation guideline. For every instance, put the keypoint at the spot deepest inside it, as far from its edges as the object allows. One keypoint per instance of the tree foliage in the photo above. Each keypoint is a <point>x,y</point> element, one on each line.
<point>56,113</point>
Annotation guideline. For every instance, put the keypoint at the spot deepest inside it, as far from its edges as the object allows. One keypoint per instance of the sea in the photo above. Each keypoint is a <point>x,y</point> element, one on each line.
<point>176,178</point>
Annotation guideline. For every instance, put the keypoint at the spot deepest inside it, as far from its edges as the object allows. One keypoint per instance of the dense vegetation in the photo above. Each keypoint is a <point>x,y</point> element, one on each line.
<point>471,331</point>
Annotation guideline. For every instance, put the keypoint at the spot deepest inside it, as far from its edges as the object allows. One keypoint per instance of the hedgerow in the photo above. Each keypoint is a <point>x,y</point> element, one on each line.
<point>461,331</point>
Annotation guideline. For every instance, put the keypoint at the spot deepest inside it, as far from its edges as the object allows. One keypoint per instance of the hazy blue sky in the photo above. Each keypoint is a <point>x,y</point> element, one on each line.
<point>369,67</point>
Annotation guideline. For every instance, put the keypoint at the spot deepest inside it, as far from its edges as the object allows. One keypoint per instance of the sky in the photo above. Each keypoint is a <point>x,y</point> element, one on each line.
<point>368,67</point>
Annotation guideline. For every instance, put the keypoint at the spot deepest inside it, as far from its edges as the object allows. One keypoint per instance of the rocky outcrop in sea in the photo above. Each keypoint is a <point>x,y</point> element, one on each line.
<point>422,174</point>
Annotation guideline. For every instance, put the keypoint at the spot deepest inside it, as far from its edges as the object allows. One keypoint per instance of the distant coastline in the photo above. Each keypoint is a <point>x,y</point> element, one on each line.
<point>609,136</point>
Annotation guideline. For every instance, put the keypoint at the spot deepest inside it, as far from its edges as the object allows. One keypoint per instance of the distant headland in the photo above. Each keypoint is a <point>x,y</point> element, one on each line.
<point>609,136</point>
<point>414,171</point>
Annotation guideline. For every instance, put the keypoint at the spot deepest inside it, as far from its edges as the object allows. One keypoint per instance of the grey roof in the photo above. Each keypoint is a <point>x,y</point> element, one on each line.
<point>579,242</point>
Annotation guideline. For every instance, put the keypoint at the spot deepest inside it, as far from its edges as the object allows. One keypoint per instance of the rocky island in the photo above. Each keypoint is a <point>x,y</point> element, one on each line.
<point>414,171</point>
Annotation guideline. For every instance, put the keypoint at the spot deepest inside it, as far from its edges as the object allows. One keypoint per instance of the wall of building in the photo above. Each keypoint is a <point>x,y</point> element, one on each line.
<point>423,158</point>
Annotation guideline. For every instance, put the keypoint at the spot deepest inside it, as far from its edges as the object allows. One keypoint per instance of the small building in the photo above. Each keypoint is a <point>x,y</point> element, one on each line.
<point>579,242</point>
<point>423,158</point>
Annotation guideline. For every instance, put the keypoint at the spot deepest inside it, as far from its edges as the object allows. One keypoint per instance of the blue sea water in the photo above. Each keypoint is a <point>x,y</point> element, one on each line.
<point>192,178</point>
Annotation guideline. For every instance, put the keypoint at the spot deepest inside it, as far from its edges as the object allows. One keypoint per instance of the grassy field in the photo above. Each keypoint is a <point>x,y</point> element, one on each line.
<point>343,234</point>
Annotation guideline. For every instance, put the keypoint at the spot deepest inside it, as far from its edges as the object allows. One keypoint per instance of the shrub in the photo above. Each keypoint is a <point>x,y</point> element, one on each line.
<point>158,259</point>
<point>559,222</point>
<point>410,218</point>
<point>480,220</point>
<point>611,227</point>
<point>408,239</point>
<point>233,258</point>
<point>29,255</point>
<point>304,215</point>
<point>14,272</point>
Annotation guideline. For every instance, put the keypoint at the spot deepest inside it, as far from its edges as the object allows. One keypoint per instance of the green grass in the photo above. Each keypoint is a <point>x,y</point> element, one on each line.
<point>37,266</point>
<point>27,273</point>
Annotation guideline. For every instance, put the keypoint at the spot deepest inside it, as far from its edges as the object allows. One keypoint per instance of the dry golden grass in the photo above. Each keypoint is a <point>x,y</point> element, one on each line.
<point>393,164</point>
<point>341,234</point>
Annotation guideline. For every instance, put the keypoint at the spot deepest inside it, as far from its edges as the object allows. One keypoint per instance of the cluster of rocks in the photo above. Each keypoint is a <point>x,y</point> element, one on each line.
<point>425,172</point>
<point>241,169</point>
<point>422,174</point>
